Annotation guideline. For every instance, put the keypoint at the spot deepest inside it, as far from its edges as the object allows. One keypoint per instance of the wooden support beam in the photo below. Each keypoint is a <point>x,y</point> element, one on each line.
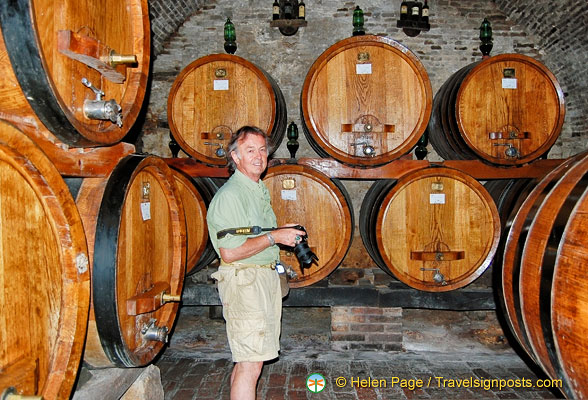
<point>393,170</point>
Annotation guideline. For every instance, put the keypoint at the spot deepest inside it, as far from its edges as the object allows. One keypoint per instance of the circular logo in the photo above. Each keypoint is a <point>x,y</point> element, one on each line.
<point>315,383</point>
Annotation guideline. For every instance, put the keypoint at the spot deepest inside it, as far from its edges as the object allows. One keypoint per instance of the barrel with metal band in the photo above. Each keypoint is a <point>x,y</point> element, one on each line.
<point>543,284</point>
<point>44,274</point>
<point>506,110</point>
<point>216,95</point>
<point>135,224</point>
<point>195,205</point>
<point>302,194</point>
<point>77,74</point>
<point>435,229</point>
<point>365,101</point>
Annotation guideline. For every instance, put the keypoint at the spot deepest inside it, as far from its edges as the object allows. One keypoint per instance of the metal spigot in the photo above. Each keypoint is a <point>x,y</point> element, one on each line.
<point>101,109</point>
<point>152,332</point>
<point>511,151</point>
<point>438,276</point>
<point>115,59</point>
<point>220,152</point>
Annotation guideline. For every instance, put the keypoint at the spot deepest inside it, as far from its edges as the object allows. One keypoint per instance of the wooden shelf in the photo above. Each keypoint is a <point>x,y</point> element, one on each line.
<point>288,23</point>
<point>393,170</point>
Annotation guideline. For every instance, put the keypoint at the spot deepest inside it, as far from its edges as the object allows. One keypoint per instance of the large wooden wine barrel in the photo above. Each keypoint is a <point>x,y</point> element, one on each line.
<point>44,274</point>
<point>532,253</point>
<point>305,196</point>
<point>366,101</point>
<point>216,95</point>
<point>47,47</point>
<point>435,229</point>
<point>195,212</point>
<point>135,225</point>
<point>506,110</point>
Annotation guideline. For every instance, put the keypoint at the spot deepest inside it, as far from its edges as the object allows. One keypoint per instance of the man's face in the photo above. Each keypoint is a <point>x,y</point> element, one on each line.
<point>253,156</point>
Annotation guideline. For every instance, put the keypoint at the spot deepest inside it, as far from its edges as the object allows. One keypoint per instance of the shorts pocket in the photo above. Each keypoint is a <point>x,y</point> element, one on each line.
<point>247,332</point>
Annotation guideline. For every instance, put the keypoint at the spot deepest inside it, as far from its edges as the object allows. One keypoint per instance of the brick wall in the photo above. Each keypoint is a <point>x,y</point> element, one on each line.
<point>366,328</point>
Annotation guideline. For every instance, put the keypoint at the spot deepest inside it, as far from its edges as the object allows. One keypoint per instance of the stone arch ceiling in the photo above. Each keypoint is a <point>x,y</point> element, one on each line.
<point>559,26</point>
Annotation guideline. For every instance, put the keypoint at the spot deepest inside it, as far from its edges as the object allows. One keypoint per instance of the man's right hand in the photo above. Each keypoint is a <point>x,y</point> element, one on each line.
<point>288,236</point>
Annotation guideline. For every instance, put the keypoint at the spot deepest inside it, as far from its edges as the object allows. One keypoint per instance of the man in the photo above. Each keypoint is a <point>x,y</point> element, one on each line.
<point>248,284</point>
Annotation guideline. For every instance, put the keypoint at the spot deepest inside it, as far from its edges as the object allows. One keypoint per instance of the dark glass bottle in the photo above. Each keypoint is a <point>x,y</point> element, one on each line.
<point>230,37</point>
<point>276,10</point>
<point>404,11</point>
<point>415,10</point>
<point>288,10</point>
<point>425,13</point>
<point>301,10</point>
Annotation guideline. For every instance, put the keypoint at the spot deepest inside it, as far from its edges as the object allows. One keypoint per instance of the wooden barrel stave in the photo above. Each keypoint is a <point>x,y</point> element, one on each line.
<point>569,320</point>
<point>344,112</point>
<point>42,88</point>
<point>485,119</point>
<point>195,212</point>
<point>130,256</point>
<point>322,206</point>
<point>538,260</point>
<point>44,304</point>
<point>514,246</point>
<point>203,114</point>
<point>407,237</point>
<point>368,215</point>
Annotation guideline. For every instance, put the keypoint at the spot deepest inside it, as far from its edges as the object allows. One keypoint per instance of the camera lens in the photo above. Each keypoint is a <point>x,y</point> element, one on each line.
<point>304,254</point>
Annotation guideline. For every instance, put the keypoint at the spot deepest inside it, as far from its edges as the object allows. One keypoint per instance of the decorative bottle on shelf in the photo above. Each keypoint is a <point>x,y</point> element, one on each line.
<point>415,11</point>
<point>292,144</point>
<point>404,11</point>
<point>425,13</point>
<point>301,10</point>
<point>486,38</point>
<point>230,37</point>
<point>276,10</point>
<point>358,22</point>
<point>288,10</point>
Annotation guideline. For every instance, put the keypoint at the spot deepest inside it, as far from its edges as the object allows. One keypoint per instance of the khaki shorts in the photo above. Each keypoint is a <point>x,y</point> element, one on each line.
<point>252,308</point>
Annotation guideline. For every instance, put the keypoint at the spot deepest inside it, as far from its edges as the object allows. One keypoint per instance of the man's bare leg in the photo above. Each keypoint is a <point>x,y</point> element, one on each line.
<point>244,380</point>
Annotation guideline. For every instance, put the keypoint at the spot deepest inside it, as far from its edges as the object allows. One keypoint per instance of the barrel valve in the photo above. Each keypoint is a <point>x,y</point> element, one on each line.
<point>152,332</point>
<point>220,152</point>
<point>11,394</point>
<point>115,59</point>
<point>170,298</point>
<point>510,151</point>
<point>101,109</point>
<point>438,276</point>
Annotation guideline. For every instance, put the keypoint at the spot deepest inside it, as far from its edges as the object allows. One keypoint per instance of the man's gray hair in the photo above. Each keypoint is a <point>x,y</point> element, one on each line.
<point>241,134</point>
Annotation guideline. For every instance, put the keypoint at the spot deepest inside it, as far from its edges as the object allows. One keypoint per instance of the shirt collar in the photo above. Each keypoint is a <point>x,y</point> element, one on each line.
<point>247,182</point>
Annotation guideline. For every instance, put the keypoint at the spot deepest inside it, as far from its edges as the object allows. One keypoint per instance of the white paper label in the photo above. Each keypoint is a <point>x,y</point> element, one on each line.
<point>509,83</point>
<point>363,69</point>
<point>437,198</point>
<point>221,84</point>
<point>146,211</point>
<point>288,194</point>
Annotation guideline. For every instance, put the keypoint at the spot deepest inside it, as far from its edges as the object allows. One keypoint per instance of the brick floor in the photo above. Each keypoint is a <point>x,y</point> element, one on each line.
<point>435,376</point>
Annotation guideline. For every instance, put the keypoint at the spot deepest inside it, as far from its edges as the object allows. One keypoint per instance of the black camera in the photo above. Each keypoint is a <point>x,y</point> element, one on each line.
<point>303,253</point>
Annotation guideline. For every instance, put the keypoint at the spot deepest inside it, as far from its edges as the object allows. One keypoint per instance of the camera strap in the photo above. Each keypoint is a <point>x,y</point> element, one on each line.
<point>246,230</point>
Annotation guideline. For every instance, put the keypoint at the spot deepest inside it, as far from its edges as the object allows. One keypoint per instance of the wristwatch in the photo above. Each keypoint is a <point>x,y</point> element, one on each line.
<point>270,238</point>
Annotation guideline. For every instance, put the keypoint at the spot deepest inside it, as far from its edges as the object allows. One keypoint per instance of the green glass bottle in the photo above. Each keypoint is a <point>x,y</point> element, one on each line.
<point>486,37</point>
<point>358,22</point>
<point>230,37</point>
<point>292,144</point>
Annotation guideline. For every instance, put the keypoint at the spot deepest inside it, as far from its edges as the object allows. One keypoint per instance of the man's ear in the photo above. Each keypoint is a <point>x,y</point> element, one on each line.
<point>235,158</point>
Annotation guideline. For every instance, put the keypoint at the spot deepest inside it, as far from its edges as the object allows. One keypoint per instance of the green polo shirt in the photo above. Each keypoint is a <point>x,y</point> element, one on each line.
<point>241,202</point>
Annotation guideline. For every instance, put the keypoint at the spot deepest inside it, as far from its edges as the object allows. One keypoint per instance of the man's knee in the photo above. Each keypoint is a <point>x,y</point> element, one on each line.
<point>252,369</point>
